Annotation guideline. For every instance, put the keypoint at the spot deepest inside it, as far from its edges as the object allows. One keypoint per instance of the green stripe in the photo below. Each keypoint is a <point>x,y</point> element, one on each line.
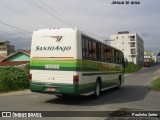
<point>60,69</point>
<point>72,65</point>
<point>61,64</point>
<point>102,73</point>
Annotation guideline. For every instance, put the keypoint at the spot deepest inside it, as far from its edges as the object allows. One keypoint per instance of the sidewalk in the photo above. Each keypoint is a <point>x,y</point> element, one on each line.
<point>16,93</point>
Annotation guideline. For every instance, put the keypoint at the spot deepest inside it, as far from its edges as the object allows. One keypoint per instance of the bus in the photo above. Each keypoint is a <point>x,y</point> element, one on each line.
<point>66,61</point>
<point>147,62</point>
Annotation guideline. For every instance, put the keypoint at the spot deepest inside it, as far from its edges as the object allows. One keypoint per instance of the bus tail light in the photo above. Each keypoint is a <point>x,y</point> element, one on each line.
<point>30,77</point>
<point>75,79</point>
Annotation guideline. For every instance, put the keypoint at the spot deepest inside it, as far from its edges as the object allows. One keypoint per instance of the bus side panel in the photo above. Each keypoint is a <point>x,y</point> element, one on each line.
<point>92,70</point>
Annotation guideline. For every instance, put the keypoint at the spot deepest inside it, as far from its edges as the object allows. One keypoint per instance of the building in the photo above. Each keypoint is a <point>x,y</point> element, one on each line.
<point>19,58</point>
<point>150,55</point>
<point>131,44</point>
<point>6,49</point>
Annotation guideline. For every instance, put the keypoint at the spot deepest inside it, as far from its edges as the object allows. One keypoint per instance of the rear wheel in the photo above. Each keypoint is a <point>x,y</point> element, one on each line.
<point>97,91</point>
<point>119,83</point>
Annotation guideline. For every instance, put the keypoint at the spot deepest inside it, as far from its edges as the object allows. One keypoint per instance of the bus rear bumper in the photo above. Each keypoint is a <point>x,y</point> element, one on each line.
<point>54,88</point>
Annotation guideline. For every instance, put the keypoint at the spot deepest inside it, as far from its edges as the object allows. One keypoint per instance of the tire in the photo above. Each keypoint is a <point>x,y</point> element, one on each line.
<point>119,83</point>
<point>97,90</point>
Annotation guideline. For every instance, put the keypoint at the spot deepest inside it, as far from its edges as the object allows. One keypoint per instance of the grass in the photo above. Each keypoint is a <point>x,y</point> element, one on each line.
<point>155,84</point>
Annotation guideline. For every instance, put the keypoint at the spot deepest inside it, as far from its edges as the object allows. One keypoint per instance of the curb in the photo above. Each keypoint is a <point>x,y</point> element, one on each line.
<point>16,93</point>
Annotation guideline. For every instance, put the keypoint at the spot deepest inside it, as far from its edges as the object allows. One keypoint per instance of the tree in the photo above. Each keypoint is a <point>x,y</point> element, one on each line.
<point>148,53</point>
<point>159,54</point>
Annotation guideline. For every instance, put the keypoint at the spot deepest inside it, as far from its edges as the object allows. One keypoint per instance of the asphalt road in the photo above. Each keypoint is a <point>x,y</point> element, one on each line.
<point>134,95</point>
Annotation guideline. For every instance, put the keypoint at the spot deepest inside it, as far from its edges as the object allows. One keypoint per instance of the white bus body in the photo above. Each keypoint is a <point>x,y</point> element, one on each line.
<point>61,64</point>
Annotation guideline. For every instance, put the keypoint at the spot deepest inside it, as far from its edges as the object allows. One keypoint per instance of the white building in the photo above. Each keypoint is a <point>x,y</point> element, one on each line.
<point>131,44</point>
<point>151,55</point>
<point>6,49</point>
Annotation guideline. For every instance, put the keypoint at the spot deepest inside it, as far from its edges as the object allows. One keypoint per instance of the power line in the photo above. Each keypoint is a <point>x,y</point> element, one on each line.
<point>11,34</point>
<point>54,14</point>
<point>15,27</point>
<point>57,14</point>
<point>33,3</point>
<point>13,9</point>
<point>70,21</point>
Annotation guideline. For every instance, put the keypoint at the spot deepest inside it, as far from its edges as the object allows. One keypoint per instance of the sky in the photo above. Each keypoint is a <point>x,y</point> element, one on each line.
<point>98,18</point>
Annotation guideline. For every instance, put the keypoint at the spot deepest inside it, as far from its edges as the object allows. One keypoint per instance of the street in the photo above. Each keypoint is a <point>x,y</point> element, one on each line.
<point>133,95</point>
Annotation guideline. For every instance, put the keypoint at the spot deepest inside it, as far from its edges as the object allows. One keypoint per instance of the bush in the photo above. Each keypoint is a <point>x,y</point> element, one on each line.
<point>131,67</point>
<point>12,78</point>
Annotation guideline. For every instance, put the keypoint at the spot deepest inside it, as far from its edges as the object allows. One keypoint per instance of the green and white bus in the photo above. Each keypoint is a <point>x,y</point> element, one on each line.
<point>65,61</point>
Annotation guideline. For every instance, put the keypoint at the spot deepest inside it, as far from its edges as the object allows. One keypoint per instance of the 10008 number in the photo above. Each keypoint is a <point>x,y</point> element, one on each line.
<point>52,66</point>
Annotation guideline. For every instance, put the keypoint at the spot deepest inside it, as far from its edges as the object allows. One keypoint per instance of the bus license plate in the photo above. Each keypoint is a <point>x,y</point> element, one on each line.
<point>51,89</point>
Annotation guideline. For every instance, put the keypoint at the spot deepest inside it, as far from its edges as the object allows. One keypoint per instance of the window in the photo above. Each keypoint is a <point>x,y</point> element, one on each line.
<point>133,51</point>
<point>83,47</point>
<point>112,55</point>
<point>118,57</point>
<point>132,38</point>
<point>105,53</point>
<point>132,44</point>
<point>108,54</point>
<point>86,48</point>
<point>102,52</point>
<point>115,55</point>
<point>90,49</point>
<point>99,51</point>
<point>94,50</point>
<point>85,52</point>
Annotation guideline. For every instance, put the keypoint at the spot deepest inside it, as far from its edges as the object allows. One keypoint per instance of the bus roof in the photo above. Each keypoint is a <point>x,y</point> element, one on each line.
<point>83,33</point>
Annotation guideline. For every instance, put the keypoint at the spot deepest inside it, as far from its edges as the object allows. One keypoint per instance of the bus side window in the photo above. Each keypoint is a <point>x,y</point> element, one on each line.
<point>105,53</point>
<point>108,54</point>
<point>98,51</point>
<point>83,48</point>
<point>102,53</point>
<point>90,50</point>
<point>118,56</point>
<point>94,50</point>
<point>86,48</point>
<point>121,57</point>
<point>114,56</point>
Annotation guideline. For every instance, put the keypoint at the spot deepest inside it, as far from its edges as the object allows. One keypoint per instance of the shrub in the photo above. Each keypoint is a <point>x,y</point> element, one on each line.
<point>131,67</point>
<point>12,78</point>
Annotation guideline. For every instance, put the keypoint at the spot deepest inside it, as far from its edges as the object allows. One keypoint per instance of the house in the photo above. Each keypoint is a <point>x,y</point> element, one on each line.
<point>1,57</point>
<point>19,58</point>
